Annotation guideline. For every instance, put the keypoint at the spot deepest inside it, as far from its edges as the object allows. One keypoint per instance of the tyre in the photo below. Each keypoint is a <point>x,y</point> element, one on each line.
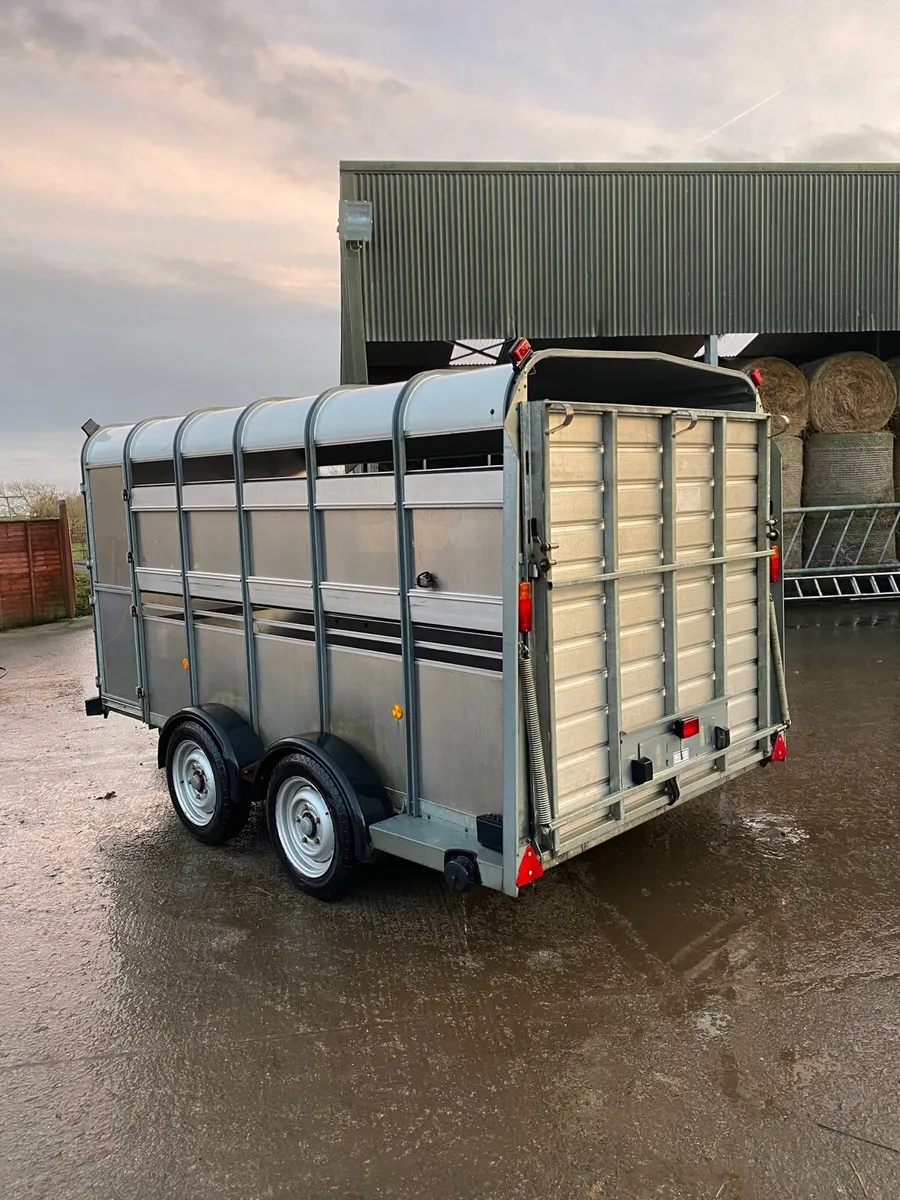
<point>311,827</point>
<point>200,786</point>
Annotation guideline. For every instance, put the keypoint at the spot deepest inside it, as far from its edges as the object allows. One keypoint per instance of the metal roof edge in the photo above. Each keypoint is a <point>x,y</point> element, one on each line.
<point>640,168</point>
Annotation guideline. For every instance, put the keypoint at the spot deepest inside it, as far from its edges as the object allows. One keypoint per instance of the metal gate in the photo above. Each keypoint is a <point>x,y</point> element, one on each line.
<point>841,552</point>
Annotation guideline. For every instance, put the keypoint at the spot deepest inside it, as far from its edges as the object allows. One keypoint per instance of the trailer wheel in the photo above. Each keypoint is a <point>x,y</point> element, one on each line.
<point>203,795</point>
<point>311,827</point>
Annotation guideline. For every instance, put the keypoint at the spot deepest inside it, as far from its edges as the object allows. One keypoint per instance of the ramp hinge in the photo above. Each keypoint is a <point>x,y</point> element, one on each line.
<point>129,557</point>
<point>125,494</point>
<point>134,610</point>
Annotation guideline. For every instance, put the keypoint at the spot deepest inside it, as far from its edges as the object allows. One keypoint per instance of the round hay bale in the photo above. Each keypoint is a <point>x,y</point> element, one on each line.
<point>847,469</point>
<point>791,495</point>
<point>893,365</point>
<point>784,392</point>
<point>850,393</point>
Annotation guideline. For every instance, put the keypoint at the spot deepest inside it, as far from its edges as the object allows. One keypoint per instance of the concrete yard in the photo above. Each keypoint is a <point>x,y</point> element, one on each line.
<point>678,1014</point>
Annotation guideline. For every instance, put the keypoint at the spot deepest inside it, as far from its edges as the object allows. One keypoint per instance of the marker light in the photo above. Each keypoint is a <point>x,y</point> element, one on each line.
<point>526,607</point>
<point>530,868</point>
<point>519,351</point>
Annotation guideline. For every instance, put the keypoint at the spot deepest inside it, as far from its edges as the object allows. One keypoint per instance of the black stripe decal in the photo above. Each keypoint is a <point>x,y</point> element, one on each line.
<point>470,639</point>
<point>347,624</point>
<point>376,645</point>
<point>453,658</point>
<point>301,633</point>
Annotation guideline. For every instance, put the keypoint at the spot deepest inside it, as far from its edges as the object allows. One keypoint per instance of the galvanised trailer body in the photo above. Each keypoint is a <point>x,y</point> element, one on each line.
<point>483,619</point>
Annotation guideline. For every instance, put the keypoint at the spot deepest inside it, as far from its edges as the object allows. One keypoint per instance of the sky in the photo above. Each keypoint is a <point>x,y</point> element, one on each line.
<point>169,168</point>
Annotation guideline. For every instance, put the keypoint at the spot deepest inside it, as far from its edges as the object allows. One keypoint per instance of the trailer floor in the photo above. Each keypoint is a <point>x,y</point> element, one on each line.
<point>682,1013</point>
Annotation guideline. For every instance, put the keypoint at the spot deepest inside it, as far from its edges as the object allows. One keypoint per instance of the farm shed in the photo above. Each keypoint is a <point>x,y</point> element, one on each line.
<point>600,256</point>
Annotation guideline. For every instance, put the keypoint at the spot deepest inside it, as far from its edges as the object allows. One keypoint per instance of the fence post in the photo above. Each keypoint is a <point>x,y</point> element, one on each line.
<point>67,565</point>
<point>28,551</point>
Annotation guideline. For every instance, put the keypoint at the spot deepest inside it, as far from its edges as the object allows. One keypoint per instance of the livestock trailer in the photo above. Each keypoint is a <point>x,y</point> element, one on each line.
<point>484,619</point>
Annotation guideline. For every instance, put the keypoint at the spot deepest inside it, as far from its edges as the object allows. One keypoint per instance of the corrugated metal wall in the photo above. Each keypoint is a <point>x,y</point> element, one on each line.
<point>593,251</point>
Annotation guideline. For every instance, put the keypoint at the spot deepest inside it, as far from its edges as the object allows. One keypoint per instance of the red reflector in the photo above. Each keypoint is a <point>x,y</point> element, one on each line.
<point>779,750</point>
<point>687,728</point>
<point>519,351</point>
<point>530,868</point>
<point>775,564</point>
<point>756,377</point>
<point>526,608</point>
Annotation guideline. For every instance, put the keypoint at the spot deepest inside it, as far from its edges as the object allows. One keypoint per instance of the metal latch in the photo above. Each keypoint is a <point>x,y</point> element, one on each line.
<point>687,415</point>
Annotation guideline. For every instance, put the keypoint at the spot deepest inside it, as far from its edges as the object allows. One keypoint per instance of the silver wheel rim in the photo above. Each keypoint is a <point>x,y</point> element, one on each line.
<point>194,782</point>
<point>305,828</point>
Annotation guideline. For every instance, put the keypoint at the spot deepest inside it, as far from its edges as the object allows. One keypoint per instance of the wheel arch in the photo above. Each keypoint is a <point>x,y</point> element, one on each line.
<point>366,796</point>
<point>238,740</point>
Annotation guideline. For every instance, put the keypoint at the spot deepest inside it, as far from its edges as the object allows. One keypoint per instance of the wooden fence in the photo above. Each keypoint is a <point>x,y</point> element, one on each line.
<point>37,581</point>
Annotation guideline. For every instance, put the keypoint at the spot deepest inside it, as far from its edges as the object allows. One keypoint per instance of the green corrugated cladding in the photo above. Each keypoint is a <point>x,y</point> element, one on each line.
<point>552,251</point>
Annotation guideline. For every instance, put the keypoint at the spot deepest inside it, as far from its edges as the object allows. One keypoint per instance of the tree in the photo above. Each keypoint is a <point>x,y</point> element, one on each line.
<point>38,498</point>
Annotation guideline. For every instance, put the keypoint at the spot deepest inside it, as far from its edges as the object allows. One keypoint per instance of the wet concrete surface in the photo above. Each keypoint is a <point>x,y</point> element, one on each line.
<point>676,1014</point>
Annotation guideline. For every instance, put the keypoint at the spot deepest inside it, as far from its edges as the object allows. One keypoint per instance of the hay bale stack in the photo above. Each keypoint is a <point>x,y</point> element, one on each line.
<point>791,495</point>
<point>784,392</point>
<point>841,469</point>
<point>850,393</point>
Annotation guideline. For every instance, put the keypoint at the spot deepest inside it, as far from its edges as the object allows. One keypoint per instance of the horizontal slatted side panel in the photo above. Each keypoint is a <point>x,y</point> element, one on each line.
<point>742,649</point>
<point>31,588</point>
<point>641,637</point>
<point>693,485</point>
<point>577,613</point>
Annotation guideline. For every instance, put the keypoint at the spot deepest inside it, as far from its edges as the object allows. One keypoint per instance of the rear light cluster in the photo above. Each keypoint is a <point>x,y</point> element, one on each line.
<point>687,727</point>
<point>775,564</point>
<point>756,377</point>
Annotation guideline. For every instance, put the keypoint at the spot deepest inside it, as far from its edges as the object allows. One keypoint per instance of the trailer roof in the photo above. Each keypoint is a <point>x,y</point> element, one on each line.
<point>437,402</point>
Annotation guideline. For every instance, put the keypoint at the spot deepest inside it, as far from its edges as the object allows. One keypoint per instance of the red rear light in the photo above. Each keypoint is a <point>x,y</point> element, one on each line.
<point>779,749</point>
<point>775,564</point>
<point>526,607</point>
<point>530,868</point>
<point>688,727</point>
<point>519,351</point>
<point>756,377</point>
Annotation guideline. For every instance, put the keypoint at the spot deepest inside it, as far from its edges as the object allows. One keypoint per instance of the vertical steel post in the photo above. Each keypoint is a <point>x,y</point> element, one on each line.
<point>711,349</point>
<point>762,602</point>
<point>670,586</point>
<point>89,538</point>
<point>184,540</point>
<point>140,648</point>
<point>611,616</point>
<point>720,578</point>
<point>315,558</point>
<point>514,780</point>
<point>237,452</point>
<point>406,569</point>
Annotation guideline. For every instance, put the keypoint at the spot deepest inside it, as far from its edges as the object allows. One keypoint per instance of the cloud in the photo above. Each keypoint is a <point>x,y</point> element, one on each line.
<point>865,143</point>
<point>67,34</point>
<point>168,168</point>
<point>75,344</point>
